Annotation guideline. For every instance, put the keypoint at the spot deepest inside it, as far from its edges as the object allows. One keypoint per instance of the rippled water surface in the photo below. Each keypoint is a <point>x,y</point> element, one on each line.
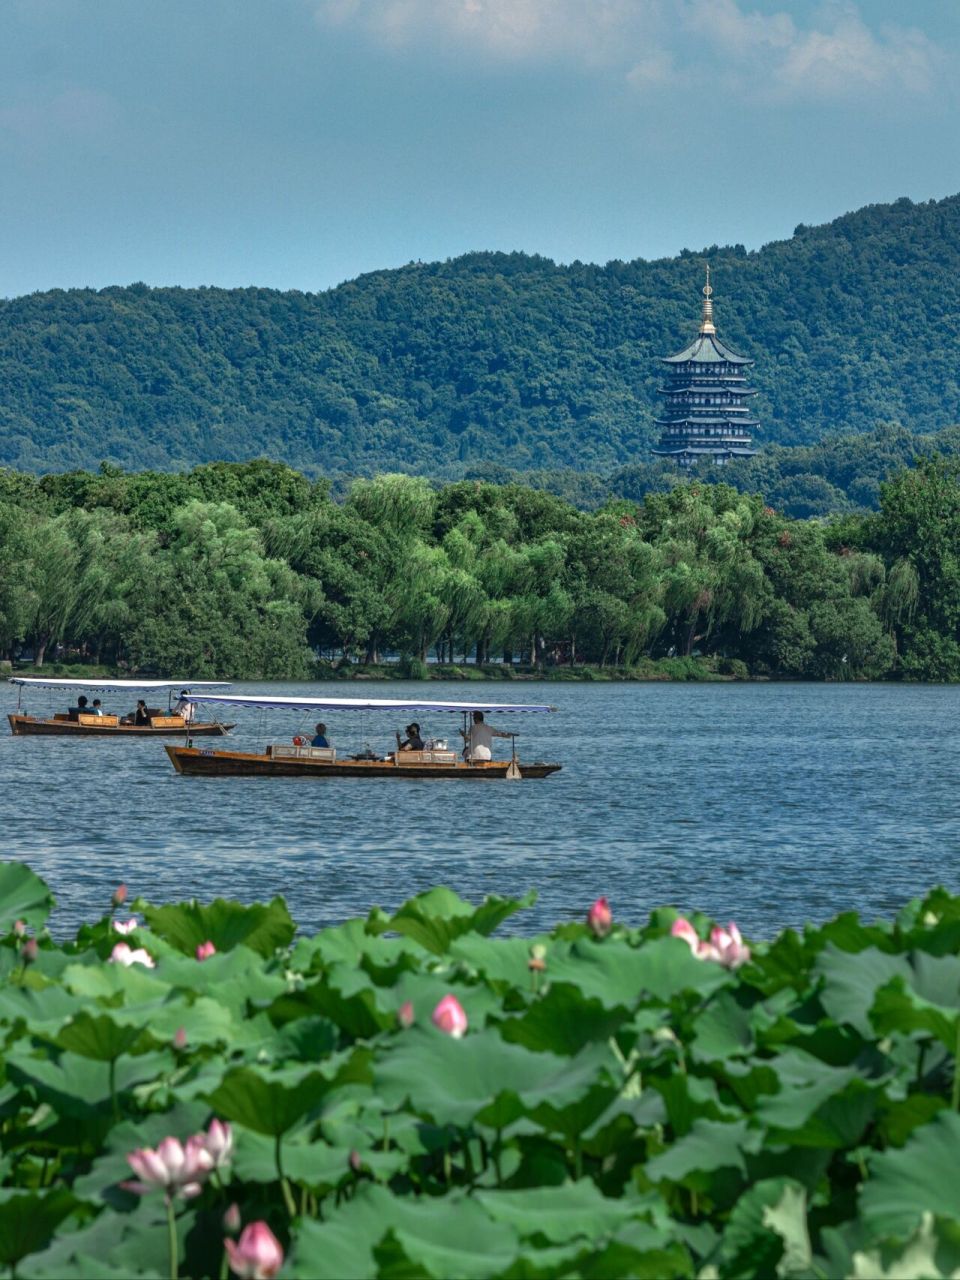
<point>772,804</point>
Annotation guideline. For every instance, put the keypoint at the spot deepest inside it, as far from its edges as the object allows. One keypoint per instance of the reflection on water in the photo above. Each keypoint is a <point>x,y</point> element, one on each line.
<point>771,804</point>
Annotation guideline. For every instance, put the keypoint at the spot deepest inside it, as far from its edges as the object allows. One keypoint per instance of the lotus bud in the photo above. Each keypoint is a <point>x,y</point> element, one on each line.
<point>206,950</point>
<point>356,1164</point>
<point>19,928</point>
<point>449,1017</point>
<point>405,1014</point>
<point>257,1255</point>
<point>600,918</point>
<point>29,951</point>
<point>219,1143</point>
<point>180,1038</point>
<point>538,958</point>
<point>119,895</point>
<point>231,1220</point>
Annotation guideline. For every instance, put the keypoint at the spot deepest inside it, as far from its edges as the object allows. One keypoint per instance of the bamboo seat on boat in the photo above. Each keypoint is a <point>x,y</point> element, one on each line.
<point>282,751</point>
<point>95,722</point>
<point>424,757</point>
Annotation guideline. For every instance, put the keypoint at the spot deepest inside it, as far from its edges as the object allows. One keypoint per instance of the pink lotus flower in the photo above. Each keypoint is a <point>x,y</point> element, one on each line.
<point>231,1220</point>
<point>449,1017</point>
<point>19,928</point>
<point>219,1143</point>
<point>731,949</point>
<point>206,950</point>
<point>173,1167</point>
<point>180,1038</point>
<point>405,1014</point>
<point>257,1255</point>
<point>119,895</point>
<point>600,918</point>
<point>29,951</point>
<point>126,926</point>
<point>123,954</point>
<point>725,947</point>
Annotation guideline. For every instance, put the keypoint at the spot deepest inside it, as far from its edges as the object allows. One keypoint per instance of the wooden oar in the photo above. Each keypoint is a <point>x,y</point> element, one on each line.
<point>513,771</point>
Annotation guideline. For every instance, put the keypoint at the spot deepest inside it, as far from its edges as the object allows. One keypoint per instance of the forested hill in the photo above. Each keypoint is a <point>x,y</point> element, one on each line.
<point>490,357</point>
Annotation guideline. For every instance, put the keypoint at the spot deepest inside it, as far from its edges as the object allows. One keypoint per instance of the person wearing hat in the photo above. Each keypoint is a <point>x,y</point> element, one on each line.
<point>413,741</point>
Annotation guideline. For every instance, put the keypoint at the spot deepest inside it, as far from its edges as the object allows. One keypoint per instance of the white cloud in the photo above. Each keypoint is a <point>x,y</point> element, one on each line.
<point>659,44</point>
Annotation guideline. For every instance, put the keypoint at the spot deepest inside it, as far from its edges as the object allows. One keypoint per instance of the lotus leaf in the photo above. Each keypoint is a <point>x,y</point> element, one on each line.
<point>23,896</point>
<point>262,928</point>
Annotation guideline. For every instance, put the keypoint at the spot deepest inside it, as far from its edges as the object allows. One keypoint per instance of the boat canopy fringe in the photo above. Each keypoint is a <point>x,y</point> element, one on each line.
<point>366,704</point>
<point>106,686</point>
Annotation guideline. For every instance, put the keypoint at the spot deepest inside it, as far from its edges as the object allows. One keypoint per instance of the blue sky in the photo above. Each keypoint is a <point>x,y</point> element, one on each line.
<point>298,143</point>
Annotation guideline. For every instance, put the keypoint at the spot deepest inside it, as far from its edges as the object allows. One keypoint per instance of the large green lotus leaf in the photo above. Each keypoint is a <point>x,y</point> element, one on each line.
<point>480,1077</point>
<point>23,896</point>
<point>562,1021</point>
<point>204,1021</point>
<point>262,927</point>
<point>619,1259</point>
<point>499,960</point>
<point>132,984</point>
<point>75,1086</point>
<point>436,918</point>
<point>315,1164</point>
<point>560,1214</point>
<point>919,1177</point>
<point>272,1102</point>
<point>767,1224</point>
<point>846,933</point>
<point>708,1146</point>
<point>234,978</point>
<point>43,1009</point>
<point>817,1105</point>
<point>900,1117</point>
<point>350,943</point>
<point>452,1236</point>
<point>99,1036</point>
<point>931,1253</point>
<point>897,1008</point>
<point>28,1219</point>
<point>723,1030</point>
<point>688,1098</point>
<point>306,1040</point>
<point>617,974</point>
<point>851,982</point>
<point>357,1015</point>
<point>133,1245</point>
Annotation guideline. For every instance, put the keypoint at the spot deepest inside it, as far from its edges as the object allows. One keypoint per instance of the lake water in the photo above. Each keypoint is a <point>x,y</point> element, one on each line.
<point>769,804</point>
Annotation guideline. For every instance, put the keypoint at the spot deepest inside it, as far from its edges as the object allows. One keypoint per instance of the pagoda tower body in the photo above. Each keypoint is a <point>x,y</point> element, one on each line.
<point>705,413</point>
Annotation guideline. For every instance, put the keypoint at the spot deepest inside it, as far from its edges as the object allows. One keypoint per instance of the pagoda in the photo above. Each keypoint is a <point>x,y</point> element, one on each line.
<point>705,411</point>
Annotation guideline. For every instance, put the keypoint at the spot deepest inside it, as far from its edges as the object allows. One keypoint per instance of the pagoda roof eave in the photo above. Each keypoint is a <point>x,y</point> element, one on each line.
<point>706,349</point>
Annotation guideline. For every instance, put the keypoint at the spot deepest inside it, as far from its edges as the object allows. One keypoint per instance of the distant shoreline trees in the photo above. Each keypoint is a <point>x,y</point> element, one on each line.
<point>250,570</point>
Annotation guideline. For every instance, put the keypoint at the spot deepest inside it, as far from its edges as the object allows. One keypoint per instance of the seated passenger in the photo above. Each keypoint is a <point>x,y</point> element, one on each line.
<point>80,709</point>
<point>97,708</point>
<point>141,715</point>
<point>413,741</point>
<point>320,737</point>
<point>478,740</point>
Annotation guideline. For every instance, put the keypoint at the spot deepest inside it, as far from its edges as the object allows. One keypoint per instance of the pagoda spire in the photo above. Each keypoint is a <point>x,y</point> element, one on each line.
<point>706,320</point>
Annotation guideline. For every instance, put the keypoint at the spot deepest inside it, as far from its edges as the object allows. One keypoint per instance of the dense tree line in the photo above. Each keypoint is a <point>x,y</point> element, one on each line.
<point>504,358</point>
<point>249,570</point>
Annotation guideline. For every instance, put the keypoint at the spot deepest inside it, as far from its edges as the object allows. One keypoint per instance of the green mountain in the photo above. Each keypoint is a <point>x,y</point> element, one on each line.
<point>489,359</point>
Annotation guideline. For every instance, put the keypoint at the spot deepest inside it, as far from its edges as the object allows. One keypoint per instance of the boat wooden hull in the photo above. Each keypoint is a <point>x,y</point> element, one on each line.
<point>21,725</point>
<point>207,763</point>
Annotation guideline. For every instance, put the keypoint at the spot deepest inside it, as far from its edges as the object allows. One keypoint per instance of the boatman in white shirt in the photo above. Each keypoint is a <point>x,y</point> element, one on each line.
<point>187,710</point>
<point>479,738</point>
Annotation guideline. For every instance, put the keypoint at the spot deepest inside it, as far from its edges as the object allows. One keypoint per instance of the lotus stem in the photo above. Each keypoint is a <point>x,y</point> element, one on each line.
<point>288,1199</point>
<point>115,1106</point>
<point>172,1237</point>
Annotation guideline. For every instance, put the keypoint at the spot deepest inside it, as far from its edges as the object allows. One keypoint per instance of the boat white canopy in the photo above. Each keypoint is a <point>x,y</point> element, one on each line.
<point>110,686</point>
<point>366,704</point>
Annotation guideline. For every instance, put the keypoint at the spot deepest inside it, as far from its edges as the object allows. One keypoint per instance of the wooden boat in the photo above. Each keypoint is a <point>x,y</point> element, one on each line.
<point>299,760</point>
<point>86,725</point>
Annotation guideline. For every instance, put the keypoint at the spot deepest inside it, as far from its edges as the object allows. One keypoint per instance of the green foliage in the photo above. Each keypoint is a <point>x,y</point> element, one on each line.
<point>493,359</point>
<point>621,1107</point>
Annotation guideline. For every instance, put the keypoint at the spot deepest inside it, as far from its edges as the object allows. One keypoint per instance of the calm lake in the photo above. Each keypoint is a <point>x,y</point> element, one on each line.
<point>768,804</point>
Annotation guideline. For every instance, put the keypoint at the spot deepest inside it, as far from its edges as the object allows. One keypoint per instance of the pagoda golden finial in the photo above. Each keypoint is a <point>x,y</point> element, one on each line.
<point>706,321</point>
